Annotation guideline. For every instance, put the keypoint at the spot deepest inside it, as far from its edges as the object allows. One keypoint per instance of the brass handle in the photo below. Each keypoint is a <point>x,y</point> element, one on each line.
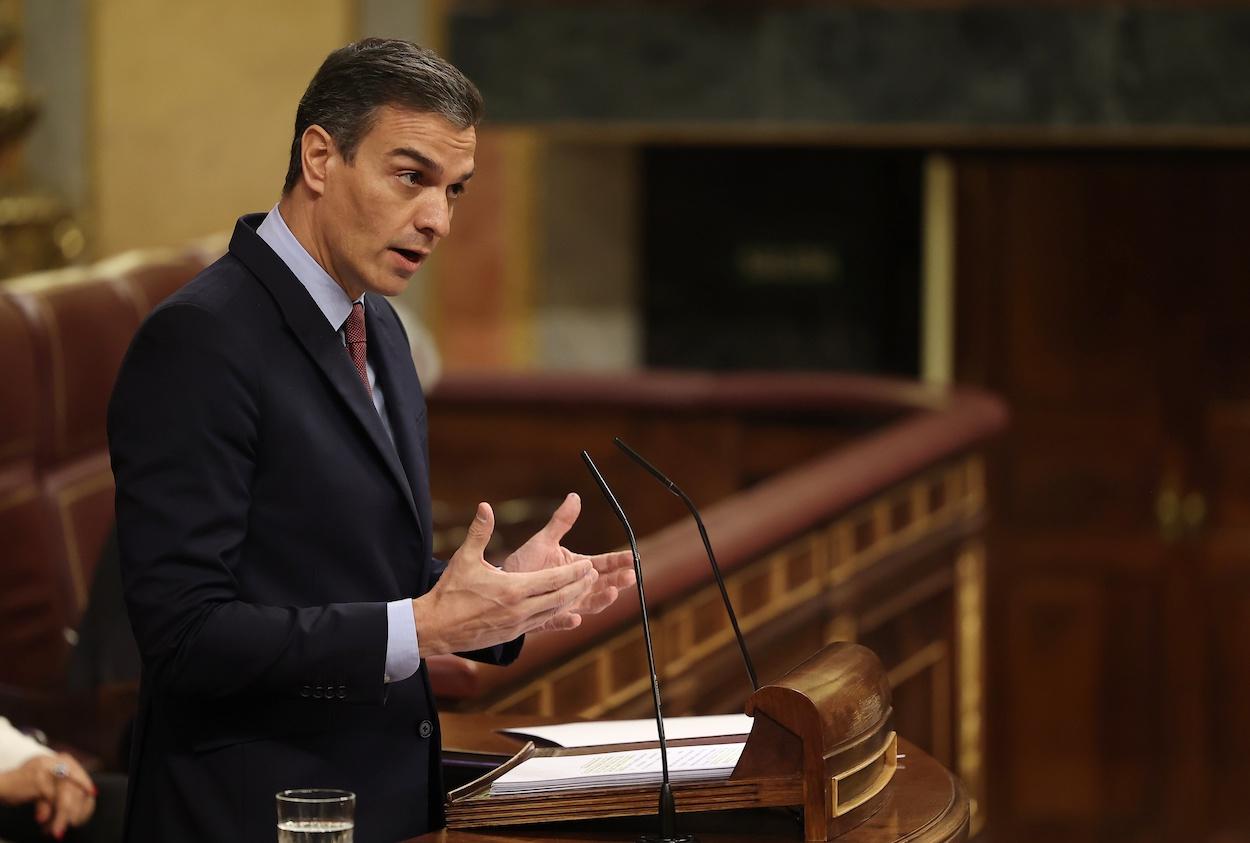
<point>1179,515</point>
<point>1168,513</point>
<point>1194,512</point>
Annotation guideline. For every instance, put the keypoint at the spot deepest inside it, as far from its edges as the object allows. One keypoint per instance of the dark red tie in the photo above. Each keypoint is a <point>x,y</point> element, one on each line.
<point>354,330</point>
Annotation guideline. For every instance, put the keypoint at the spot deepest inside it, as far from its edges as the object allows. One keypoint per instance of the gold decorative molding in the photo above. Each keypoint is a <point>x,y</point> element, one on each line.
<point>969,626</point>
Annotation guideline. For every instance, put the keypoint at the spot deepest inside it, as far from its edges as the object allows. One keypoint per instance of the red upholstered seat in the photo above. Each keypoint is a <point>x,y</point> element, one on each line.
<point>80,325</point>
<point>33,613</point>
<point>18,388</point>
<point>150,276</point>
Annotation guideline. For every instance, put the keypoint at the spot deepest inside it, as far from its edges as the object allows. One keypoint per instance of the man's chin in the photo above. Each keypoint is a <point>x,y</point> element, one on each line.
<point>392,285</point>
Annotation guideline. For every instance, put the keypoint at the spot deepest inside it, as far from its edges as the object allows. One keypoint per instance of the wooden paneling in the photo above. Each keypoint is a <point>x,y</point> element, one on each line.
<point>1103,294</point>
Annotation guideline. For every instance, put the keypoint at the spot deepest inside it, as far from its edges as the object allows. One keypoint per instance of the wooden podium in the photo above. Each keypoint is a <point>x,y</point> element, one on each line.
<point>821,740</point>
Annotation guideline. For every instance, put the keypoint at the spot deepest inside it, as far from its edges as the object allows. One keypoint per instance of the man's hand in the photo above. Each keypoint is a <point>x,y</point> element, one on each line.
<point>475,605</point>
<point>63,793</point>
<point>543,551</point>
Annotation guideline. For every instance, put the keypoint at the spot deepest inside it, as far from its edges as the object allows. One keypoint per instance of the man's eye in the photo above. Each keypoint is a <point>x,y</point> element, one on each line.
<point>456,191</point>
<point>411,179</point>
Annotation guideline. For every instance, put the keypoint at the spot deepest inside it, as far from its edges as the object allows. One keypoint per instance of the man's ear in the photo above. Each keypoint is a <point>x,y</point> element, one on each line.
<point>316,150</point>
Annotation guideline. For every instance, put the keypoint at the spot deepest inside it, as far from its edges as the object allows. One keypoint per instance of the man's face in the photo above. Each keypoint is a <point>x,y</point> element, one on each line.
<point>381,215</point>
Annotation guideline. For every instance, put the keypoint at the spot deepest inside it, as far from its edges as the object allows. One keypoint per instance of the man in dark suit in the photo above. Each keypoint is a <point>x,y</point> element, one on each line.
<point>268,437</point>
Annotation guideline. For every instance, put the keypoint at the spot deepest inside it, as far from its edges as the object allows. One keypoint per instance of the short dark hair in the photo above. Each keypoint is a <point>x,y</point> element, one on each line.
<point>355,81</point>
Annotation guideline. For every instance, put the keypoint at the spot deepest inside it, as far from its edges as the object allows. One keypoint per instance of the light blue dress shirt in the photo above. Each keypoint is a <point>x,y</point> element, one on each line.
<point>403,656</point>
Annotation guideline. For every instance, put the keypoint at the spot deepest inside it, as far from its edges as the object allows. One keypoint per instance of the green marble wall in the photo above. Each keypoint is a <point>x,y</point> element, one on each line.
<point>804,63</point>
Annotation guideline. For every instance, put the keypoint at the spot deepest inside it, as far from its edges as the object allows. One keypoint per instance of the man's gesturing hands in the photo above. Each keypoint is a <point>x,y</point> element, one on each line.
<point>540,586</point>
<point>543,552</point>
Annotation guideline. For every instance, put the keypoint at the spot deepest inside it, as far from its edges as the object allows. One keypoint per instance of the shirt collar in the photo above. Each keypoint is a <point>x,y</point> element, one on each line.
<point>325,291</point>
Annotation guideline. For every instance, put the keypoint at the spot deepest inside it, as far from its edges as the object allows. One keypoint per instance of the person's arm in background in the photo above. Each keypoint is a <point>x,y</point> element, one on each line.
<point>62,793</point>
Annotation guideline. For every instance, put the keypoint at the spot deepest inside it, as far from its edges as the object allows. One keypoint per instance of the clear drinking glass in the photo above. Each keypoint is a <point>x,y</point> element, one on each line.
<point>316,815</point>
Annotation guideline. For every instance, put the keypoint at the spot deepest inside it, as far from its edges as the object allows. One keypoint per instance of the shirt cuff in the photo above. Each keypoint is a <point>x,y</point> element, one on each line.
<point>403,657</point>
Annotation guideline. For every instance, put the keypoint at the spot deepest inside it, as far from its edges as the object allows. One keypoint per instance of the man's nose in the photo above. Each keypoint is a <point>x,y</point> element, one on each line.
<point>433,216</point>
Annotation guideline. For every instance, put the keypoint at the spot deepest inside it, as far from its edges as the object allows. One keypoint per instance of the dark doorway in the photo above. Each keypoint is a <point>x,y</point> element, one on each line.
<point>782,258</point>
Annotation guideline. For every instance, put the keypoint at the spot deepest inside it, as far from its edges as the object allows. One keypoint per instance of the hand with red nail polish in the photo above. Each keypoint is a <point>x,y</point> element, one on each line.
<point>60,789</point>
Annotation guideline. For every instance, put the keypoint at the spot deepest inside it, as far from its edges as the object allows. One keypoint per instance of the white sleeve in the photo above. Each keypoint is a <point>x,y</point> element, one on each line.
<point>16,748</point>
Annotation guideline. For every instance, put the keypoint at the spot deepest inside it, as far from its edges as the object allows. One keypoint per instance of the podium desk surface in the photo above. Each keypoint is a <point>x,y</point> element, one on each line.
<point>924,802</point>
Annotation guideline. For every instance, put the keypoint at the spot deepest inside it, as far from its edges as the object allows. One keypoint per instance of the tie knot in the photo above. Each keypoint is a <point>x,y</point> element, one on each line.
<point>354,327</point>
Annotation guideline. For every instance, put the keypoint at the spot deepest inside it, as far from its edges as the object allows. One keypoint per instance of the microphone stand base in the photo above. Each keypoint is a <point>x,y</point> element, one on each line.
<point>661,838</point>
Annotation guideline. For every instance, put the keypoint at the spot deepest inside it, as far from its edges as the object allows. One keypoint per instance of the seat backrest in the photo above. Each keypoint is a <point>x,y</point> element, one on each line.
<point>149,276</point>
<point>33,609</point>
<point>81,323</point>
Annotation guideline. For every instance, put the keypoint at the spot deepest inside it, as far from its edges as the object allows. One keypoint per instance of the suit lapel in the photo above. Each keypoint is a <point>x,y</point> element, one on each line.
<point>392,360</point>
<point>320,341</point>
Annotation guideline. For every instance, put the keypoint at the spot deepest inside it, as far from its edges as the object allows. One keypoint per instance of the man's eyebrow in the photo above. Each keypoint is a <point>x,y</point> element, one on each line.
<point>424,161</point>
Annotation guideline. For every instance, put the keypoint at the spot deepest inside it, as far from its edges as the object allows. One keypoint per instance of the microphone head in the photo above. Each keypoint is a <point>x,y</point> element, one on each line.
<point>647,466</point>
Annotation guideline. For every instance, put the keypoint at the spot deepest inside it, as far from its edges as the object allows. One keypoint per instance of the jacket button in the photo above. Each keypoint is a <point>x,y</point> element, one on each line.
<point>342,692</point>
<point>425,729</point>
<point>305,691</point>
<point>317,692</point>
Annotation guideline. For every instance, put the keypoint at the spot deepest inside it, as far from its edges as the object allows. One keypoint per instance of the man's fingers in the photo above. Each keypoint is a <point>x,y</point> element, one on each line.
<point>608,562</point>
<point>563,518</point>
<point>598,600</point>
<point>560,622</point>
<point>549,580</point>
<point>558,599</point>
<point>617,579</point>
<point>479,531</point>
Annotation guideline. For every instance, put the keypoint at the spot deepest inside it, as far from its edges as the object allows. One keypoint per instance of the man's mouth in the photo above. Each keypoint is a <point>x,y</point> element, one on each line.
<point>410,254</point>
<point>411,258</point>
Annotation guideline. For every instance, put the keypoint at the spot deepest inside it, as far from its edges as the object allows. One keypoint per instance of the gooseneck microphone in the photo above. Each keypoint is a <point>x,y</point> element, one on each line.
<point>707,545</point>
<point>668,809</point>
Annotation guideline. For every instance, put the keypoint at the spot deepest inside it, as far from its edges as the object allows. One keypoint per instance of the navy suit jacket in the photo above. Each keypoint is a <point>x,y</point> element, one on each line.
<point>264,521</point>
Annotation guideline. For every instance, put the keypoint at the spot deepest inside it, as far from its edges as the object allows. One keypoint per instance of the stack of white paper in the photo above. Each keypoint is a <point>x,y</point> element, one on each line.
<point>619,769</point>
<point>598,732</point>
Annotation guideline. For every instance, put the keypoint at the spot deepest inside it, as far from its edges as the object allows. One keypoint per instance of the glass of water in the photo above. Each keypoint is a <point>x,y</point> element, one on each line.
<point>316,815</point>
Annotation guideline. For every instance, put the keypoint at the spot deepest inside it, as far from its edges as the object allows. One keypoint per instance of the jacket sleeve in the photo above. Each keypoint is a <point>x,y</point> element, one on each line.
<point>183,437</point>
